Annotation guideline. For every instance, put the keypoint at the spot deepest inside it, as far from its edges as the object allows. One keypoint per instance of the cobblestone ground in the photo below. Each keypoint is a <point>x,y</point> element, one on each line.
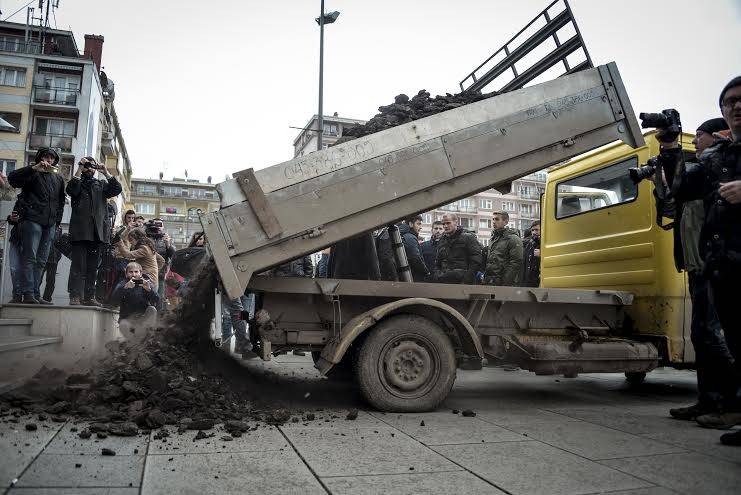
<point>531,435</point>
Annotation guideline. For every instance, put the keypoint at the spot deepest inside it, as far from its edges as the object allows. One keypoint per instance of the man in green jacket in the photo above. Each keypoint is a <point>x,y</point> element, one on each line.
<point>504,262</point>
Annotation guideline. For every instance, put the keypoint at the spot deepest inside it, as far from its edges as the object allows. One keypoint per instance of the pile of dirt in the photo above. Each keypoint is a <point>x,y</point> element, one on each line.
<point>405,109</point>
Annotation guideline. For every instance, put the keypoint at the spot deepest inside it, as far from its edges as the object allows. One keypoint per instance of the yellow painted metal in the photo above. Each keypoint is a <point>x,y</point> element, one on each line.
<point>619,247</point>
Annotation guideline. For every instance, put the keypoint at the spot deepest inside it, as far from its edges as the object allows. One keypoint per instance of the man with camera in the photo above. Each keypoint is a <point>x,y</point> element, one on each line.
<point>89,228</point>
<point>155,230</point>
<point>717,181</point>
<point>39,207</point>
<point>137,298</point>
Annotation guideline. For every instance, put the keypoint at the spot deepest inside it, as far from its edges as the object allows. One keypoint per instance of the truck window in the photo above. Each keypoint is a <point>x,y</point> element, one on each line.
<point>595,190</point>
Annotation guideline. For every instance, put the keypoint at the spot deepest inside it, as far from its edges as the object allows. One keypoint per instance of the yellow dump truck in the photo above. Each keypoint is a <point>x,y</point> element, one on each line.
<point>599,232</point>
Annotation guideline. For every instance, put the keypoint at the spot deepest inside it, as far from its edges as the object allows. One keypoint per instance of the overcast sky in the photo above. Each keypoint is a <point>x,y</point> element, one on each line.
<point>213,86</point>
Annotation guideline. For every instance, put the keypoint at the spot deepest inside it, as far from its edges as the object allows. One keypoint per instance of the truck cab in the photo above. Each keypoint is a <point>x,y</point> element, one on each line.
<point>599,232</point>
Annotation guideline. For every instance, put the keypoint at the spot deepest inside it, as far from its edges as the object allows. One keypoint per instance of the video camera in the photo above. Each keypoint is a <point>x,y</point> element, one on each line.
<point>90,163</point>
<point>117,235</point>
<point>669,123</point>
<point>154,228</point>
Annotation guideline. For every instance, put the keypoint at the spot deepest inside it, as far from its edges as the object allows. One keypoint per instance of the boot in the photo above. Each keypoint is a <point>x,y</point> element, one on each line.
<point>17,299</point>
<point>720,420</point>
<point>45,301</point>
<point>74,300</point>
<point>91,302</point>
<point>29,299</point>
<point>733,438</point>
<point>690,413</point>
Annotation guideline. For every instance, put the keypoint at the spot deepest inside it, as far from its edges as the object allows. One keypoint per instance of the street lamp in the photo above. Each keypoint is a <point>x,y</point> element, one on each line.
<point>322,20</point>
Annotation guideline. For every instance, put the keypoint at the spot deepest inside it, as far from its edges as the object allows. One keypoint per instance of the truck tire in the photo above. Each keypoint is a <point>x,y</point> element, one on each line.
<point>406,364</point>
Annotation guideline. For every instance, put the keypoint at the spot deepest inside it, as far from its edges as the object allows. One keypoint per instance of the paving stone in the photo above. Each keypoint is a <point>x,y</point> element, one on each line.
<point>703,440</point>
<point>68,442</point>
<point>594,441</point>
<point>533,468</point>
<point>337,419</point>
<point>689,473</point>
<point>519,415</point>
<point>16,455</point>
<point>627,420</point>
<point>447,483</point>
<point>363,451</point>
<point>265,437</point>
<point>655,490</point>
<point>272,472</point>
<point>58,470</point>
<point>443,428</point>
<point>74,491</point>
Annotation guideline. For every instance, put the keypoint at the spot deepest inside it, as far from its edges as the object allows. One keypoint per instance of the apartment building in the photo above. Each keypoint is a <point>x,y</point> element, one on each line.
<point>306,141</point>
<point>476,212</point>
<point>176,202</point>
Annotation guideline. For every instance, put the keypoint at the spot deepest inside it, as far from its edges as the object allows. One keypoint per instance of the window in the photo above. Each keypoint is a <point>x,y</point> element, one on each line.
<point>146,189</point>
<point>54,127</point>
<point>484,241</point>
<point>466,223</point>
<point>526,209</point>
<point>485,204</point>
<point>330,129</point>
<point>485,223</point>
<point>427,218</point>
<point>13,76</point>
<point>172,190</point>
<point>13,119</point>
<point>508,206</point>
<point>144,208</point>
<point>7,166</point>
<point>602,188</point>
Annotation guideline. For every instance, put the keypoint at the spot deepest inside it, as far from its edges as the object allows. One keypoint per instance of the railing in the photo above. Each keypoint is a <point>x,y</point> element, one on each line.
<point>468,209</point>
<point>55,96</point>
<point>19,45</point>
<point>448,207</point>
<point>55,141</point>
<point>535,197</point>
<point>188,195</point>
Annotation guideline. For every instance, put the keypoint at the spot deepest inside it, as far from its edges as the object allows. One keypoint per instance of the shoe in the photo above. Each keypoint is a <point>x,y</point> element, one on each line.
<point>45,301</point>
<point>29,299</point>
<point>91,302</point>
<point>17,299</point>
<point>299,353</point>
<point>690,413</point>
<point>733,438</point>
<point>74,300</point>
<point>719,421</point>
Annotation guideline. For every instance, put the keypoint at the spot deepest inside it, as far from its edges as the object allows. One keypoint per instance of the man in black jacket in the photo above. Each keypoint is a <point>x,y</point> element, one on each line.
<point>718,182</point>
<point>409,231</point>
<point>88,228</point>
<point>531,257</point>
<point>459,254</point>
<point>429,248</point>
<point>40,206</point>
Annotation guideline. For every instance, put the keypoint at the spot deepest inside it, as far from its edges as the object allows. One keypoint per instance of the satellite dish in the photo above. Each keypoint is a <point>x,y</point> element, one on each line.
<point>6,126</point>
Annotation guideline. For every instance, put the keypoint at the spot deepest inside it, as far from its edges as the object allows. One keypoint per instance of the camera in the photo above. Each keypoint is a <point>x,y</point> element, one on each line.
<point>668,121</point>
<point>90,163</point>
<point>154,228</point>
<point>637,174</point>
<point>117,235</point>
<point>138,281</point>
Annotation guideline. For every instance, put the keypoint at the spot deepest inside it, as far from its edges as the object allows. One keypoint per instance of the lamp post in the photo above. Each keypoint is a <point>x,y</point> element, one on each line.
<point>322,20</point>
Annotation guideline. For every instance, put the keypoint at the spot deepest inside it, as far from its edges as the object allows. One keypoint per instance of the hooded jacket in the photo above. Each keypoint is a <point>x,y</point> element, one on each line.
<point>504,261</point>
<point>530,263</point>
<point>414,256</point>
<point>42,195</point>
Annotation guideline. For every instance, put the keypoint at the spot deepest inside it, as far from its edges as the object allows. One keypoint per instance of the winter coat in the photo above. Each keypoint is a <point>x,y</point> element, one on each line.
<point>530,276</point>
<point>414,257</point>
<point>89,220</point>
<point>167,253</point>
<point>385,255</point>
<point>504,261</point>
<point>720,238</point>
<point>429,252</point>
<point>301,267</point>
<point>458,257</point>
<point>145,256</point>
<point>134,301</point>
<point>354,258</point>
<point>42,195</point>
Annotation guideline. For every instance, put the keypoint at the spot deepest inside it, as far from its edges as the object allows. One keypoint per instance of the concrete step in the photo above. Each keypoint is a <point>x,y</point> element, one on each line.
<point>15,327</point>
<point>24,341</point>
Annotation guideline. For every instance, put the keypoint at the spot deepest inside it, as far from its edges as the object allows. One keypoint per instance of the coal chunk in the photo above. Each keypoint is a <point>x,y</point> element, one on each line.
<point>201,424</point>
<point>31,427</point>
<point>106,451</point>
<point>468,413</point>
<point>352,415</point>
<point>124,430</point>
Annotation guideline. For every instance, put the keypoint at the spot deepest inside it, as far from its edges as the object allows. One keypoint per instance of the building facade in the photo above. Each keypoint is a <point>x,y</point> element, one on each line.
<point>306,141</point>
<point>176,202</point>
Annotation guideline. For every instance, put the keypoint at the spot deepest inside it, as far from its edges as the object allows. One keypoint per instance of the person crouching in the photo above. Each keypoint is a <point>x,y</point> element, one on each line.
<point>137,297</point>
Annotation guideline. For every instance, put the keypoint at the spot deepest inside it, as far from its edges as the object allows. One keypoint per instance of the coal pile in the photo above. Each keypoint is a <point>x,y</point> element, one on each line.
<point>405,109</point>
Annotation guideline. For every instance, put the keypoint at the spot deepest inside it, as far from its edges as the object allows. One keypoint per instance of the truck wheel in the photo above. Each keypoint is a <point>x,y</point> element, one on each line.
<point>340,372</point>
<point>635,378</point>
<point>407,364</point>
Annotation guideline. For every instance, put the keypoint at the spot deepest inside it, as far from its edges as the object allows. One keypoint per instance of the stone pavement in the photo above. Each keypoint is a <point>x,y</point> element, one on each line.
<point>531,435</point>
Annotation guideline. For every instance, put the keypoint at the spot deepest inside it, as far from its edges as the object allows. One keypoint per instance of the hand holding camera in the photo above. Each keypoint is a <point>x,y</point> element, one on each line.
<point>668,128</point>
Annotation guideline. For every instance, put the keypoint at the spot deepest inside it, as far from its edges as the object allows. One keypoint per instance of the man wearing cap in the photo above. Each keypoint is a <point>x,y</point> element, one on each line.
<point>40,206</point>
<point>718,183</point>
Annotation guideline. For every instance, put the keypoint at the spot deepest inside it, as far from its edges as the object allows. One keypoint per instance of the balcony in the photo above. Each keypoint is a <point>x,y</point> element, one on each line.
<point>55,96</point>
<point>468,209</point>
<point>535,197</point>
<point>448,207</point>
<point>58,142</point>
<point>19,45</point>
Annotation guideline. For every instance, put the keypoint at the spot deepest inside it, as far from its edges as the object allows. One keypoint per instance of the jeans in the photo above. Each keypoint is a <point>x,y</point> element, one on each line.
<point>714,361</point>
<point>50,275</point>
<point>35,245</point>
<point>231,316</point>
<point>724,296</point>
<point>85,258</point>
<point>14,263</point>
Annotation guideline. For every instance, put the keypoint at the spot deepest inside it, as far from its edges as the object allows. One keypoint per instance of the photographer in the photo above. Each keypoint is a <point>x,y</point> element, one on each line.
<point>155,230</point>
<point>143,252</point>
<point>89,227</point>
<point>40,206</point>
<point>136,297</point>
<point>717,181</point>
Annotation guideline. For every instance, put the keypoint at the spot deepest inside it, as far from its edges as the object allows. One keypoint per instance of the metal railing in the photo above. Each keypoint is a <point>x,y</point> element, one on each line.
<point>19,45</point>
<point>468,209</point>
<point>55,141</point>
<point>516,50</point>
<point>55,96</point>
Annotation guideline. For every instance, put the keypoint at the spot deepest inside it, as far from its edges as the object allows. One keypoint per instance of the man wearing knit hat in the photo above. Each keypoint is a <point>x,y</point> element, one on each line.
<point>715,374</point>
<point>718,183</point>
